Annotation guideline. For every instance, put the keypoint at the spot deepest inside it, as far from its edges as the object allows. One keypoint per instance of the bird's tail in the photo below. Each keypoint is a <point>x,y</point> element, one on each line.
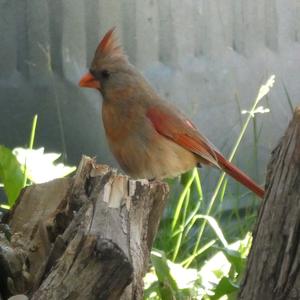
<point>240,176</point>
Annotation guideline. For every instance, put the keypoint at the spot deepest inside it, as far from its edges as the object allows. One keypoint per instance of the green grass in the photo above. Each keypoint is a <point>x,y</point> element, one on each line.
<point>30,146</point>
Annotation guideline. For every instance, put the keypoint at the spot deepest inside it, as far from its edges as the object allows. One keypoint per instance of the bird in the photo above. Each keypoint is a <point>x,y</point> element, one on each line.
<point>149,137</point>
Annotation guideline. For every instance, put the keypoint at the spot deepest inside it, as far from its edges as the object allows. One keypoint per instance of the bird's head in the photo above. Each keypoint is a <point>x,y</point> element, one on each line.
<point>110,69</point>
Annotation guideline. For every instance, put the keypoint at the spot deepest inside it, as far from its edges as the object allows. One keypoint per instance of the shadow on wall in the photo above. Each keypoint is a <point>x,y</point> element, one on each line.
<point>209,57</point>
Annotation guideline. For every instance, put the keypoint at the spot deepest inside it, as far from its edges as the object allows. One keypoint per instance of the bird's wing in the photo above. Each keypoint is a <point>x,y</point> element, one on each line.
<point>173,125</point>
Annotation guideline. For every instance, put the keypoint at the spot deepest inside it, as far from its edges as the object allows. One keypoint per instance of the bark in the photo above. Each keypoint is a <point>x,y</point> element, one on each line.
<point>273,270</point>
<point>88,237</point>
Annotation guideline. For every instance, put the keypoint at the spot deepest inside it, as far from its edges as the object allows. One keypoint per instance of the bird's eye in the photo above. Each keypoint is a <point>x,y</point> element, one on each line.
<point>105,74</point>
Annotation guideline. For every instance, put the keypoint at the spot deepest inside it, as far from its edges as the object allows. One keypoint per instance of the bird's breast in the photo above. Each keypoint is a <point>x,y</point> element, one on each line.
<point>140,150</point>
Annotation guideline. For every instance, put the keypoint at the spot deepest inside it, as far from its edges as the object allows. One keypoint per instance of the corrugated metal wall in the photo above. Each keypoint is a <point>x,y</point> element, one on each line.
<point>208,56</point>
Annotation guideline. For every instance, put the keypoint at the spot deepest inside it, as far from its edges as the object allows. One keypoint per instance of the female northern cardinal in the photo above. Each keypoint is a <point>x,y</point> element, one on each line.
<point>149,137</point>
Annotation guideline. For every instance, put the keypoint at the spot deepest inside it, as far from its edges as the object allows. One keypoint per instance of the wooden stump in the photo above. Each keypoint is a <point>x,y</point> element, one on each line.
<point>88,237</point>
<point>273,270</point>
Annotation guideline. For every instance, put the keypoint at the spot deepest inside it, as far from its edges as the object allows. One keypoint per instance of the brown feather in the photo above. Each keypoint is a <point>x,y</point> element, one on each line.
<point>109,47</point>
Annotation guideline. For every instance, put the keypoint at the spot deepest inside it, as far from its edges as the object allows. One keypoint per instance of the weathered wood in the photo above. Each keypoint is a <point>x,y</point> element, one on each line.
<point>88,237</point>
<point>273,270</point>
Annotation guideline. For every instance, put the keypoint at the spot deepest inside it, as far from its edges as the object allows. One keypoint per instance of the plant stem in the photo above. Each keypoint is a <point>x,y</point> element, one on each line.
<point>182,226</point>
<point>181,199</point>
<point>31,142</point>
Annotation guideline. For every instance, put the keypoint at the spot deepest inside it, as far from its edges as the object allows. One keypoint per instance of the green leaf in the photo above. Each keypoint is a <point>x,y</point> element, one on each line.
<point>235,258</point>
<point>168,286</point>
<point>11,174</point>
<point>152,289</point>
<point>224,287</point>
<point>175,281</point>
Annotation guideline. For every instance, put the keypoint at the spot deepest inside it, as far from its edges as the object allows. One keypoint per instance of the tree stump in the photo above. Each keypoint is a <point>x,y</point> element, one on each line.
<point>273,270</point>
<point>87,237</point>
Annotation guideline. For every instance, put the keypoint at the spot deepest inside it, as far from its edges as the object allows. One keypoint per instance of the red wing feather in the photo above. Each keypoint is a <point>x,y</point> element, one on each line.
<point>175,127</point>
<point>183,132</point>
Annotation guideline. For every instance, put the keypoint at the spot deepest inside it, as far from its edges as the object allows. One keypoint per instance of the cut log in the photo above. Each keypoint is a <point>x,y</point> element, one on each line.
<point>273,270</point>
<point>88,237</point>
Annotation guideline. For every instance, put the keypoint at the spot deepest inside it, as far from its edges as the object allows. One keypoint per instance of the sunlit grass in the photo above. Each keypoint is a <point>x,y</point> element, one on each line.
<point>30,147</point>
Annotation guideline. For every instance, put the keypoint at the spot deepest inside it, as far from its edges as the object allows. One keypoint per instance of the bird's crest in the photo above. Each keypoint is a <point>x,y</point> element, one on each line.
<point>110,46</point>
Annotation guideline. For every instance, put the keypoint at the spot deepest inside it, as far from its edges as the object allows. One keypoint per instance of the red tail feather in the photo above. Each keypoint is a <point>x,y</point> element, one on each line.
<point>241,177</point>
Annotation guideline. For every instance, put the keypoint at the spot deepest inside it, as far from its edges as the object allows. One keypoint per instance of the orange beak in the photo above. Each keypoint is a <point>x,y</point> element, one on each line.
<point>89,81</point>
